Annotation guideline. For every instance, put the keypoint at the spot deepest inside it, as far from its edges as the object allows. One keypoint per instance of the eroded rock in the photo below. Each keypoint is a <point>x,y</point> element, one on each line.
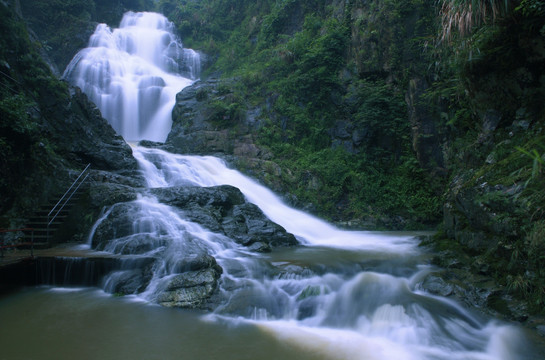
<point>190,289</point>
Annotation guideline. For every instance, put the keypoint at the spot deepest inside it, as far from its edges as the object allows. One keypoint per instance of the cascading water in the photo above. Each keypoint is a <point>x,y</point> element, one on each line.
<point>133,74</point>
<point>352,295</point>
<point>342,294</point>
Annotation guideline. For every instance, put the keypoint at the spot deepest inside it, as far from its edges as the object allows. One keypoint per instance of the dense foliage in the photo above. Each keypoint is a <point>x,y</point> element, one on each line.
<point>24,79</point>
<point>493,84</point>
<point>333,115</point>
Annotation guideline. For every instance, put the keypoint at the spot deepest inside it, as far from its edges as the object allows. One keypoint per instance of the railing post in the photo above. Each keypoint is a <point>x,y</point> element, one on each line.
<point>32,243</point>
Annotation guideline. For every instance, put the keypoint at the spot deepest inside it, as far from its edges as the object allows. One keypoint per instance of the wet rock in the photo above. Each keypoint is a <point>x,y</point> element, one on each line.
<point>202,122</point>
<point>128,282</point>
<point>247,225</point>
<point>437,286</point>
<point>307,308</point>
<point>137,244</point>
<point>86,134</point>
<point>223,209</point>
<point>193,278</point>
<point>194,262</point>
<point>307,302</point>
<point>290,271</point>
<point>260,247</point>
<point>117,232</point>
<point>221,197</point>
<point>190,289</point>
<point>107,193</point>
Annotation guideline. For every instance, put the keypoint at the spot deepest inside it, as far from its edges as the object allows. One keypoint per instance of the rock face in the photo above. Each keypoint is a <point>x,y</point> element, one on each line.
<point>88,136</point>
<point>426,141</point>
<point>53,131</point>
<point>194,286</point>
<point>223,209</point>
<point>208,119</point>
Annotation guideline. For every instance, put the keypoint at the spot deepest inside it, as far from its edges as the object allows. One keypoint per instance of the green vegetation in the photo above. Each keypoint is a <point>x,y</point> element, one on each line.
<point>23,79</point>
<point>65,25</point>
<point>495,119</point>
<point>462,16</point>
<point>332,117</point>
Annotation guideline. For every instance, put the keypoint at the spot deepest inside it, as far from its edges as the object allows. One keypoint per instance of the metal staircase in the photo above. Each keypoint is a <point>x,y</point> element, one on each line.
<point>49,217</point>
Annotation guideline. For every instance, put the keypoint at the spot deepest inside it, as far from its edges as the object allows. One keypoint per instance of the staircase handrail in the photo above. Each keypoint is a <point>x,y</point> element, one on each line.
<point>68,192</point>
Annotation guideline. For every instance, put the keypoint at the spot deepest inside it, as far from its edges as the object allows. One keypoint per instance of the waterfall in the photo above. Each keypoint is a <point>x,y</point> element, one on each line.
<point>133,74</point>
<point>344,294</point>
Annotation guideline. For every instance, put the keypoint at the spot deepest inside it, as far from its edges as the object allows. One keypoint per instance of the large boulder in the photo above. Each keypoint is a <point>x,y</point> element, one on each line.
<point>132,277</point>
<point>223,209</point>
<point>247,225</point>
<point>191,289</point>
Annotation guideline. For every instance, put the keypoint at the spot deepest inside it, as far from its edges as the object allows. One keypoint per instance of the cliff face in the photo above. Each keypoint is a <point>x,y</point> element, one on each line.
<point>49,132</point>
<point>61,28</point>
<point>494,201</point>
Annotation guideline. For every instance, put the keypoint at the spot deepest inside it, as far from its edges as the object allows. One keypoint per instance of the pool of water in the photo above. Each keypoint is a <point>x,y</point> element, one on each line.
<point>86,323</point>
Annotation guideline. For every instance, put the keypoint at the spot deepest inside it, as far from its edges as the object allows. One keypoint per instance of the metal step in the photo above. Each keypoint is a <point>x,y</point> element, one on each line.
<point>49,217</point>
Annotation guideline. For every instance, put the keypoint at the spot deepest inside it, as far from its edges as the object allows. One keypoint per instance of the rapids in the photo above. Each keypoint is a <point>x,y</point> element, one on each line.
<point>349,294</point>
<point>341,294</point>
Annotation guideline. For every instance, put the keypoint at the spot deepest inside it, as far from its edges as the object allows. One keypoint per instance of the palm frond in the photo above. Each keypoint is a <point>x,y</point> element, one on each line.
<point>464,15</point>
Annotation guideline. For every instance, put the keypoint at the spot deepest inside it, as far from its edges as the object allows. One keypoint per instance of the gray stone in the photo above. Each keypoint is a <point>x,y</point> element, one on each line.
<point>196,262</point>
<point>223,209</point>
<point>437,286</point>
<point>130,281</point>
<point>193,278</point>
<point>190,289</point>
<point>260,247</point>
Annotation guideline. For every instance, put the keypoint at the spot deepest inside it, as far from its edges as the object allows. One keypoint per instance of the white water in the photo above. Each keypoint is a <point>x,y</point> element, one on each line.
<point>343,295</point>
<point>163,169</point>
<point>368,307</point>
<point>133,74</point>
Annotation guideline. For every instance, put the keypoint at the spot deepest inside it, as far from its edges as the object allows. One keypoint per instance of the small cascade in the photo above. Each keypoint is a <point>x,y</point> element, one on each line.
<point>70,271</point>
<point>133,74</point>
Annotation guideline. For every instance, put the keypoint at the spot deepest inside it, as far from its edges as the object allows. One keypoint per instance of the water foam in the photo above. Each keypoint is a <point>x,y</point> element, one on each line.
<point>132,74</point>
